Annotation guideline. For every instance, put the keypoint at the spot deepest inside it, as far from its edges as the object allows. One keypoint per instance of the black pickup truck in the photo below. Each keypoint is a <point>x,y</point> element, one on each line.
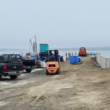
<point>28,64</point>
<point>10,68</point>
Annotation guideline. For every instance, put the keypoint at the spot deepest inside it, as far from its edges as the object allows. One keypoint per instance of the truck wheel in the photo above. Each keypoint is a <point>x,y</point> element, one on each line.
<point>28,70</point>
<point>78,54</point>
<point>58,71</point>
<point>14,76</point>
<point>47,73</point>
<point>0,76</point>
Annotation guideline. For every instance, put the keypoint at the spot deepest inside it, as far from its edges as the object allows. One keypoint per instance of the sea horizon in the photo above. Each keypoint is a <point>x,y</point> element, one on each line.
<point>104,51</point>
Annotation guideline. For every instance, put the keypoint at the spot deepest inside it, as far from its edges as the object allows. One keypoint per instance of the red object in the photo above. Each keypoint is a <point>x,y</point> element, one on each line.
<point>22,64</point>
<point>4,67</point>
<point>28,56</point>
<point>21,61</point>
<point>82,51</point>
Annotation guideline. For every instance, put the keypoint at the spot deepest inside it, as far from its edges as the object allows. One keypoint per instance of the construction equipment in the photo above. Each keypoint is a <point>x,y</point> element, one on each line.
<point>52,62</point>
<point>82,51</point>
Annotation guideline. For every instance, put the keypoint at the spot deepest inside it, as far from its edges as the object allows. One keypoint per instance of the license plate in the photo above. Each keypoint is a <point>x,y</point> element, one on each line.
<point>28,66</point>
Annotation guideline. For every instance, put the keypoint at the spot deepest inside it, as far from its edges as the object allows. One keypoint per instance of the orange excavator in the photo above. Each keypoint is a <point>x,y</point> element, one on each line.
<point>52,62</point>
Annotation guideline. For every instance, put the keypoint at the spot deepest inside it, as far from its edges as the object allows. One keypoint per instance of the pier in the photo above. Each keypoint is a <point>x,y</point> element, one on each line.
<point>78,87</point>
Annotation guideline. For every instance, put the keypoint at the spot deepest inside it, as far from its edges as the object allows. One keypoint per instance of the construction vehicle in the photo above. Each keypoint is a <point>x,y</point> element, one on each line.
<point>52,62</point>
<point>82,51</point>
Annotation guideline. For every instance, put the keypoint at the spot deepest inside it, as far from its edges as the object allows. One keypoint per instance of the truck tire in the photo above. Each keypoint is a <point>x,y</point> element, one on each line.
<point>58,71</point>
<point>0,76</point>
<point>78,54</point>
<point>47,73</point>
<point>14,76</point>
<point>28,70</point>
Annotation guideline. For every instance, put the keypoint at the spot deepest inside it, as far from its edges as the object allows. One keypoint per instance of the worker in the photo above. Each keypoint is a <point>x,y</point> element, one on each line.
<point>28,56</point>
<point>51,55</point>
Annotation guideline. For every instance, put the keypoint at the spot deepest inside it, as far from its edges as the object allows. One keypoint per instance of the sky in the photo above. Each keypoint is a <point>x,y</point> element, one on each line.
<point>59,23</point>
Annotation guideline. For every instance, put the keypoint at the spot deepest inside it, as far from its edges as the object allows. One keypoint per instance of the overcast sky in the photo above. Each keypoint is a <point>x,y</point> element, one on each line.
<point>57,23</point>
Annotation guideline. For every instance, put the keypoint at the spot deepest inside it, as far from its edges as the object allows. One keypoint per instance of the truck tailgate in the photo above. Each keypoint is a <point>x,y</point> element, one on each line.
<point>29,62</point>
<point>14,66</point>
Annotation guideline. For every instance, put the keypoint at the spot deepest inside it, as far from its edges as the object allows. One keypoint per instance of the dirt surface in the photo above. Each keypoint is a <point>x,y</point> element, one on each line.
<point>83,86</point>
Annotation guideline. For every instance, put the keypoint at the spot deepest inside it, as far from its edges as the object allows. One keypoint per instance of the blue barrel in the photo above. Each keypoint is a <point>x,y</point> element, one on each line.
<point>79,59</point>
<point>76,59</point>
<point>72,59</point>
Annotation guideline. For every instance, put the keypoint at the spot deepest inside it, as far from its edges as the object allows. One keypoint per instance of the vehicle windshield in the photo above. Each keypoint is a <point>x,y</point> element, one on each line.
<point>82,48</point>
<point>12,57</point>
<point>1,58</point>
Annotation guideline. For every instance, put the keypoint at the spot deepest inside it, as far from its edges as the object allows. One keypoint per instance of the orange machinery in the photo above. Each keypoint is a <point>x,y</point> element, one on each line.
<point>52,62</point>
<point>82,51</point>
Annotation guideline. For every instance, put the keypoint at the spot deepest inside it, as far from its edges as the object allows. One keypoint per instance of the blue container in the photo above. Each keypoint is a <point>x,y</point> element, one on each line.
<point>88,54</point>
<point>79,59</point>
<point>43,48</point>
<point>72,59</point>
<point>76,59</point>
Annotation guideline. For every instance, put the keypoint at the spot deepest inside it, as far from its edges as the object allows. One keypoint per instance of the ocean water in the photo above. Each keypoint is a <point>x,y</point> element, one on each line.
<point>104,51</point>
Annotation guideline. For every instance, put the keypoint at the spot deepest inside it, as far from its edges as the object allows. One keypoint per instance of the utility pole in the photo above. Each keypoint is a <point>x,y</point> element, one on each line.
<point>34,46</point>
<point>35,49</point>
